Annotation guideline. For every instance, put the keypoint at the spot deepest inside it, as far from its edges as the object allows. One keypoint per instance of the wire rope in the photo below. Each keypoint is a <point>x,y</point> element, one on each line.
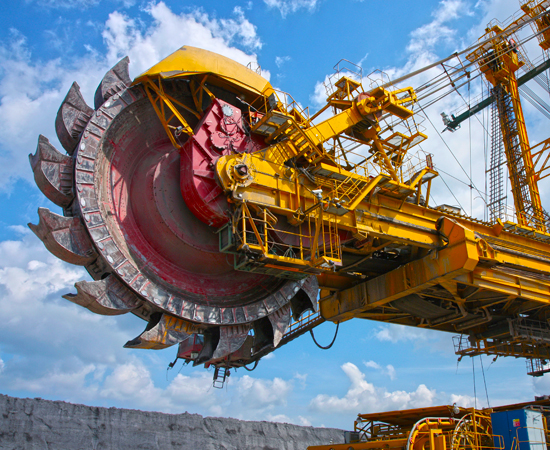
<point>484,382</point>
<point>474,376</point>
<point>449,148</point>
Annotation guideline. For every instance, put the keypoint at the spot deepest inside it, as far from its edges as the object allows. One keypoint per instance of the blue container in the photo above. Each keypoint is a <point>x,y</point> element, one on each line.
<point>521,429</point>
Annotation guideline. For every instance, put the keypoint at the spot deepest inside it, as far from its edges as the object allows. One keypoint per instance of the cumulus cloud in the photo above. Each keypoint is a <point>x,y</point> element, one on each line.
<point>287,7</point>
<point>257,393</point>
<point>124,36</point>
<point>365,397</point>
<point>465,401</point>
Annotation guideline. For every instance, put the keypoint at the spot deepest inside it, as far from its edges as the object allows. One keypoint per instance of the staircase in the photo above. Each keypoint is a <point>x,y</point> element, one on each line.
<point>291,140</point>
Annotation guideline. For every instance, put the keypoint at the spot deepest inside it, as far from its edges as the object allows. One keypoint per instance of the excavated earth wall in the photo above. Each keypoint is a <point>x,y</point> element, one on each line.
<point>36,424</point>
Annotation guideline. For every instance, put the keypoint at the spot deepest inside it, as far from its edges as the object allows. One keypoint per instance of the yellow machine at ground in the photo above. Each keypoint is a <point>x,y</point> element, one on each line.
<point>522,426</point>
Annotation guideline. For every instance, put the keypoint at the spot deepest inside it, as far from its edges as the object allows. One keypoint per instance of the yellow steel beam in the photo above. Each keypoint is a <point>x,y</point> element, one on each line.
<point>459,257</point>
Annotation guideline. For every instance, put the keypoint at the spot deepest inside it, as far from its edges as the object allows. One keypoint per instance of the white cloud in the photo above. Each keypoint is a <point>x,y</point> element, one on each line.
<point>1,365</point>
<point>464,401</point>
<point>399,333</point>
<point>391,372</point>
<point>304,421</point>
<point>65,382</point>
<point>424,38</point>
<point>302,379</point>
<point>281,418</point>
<point>124,36</point>
<point>130,380</point>
<point>364,397</point>
<point>50,338</point>
<point>287,7</point>
<point>372,365</point>
<point>280,60</point>
<point>258,393</point>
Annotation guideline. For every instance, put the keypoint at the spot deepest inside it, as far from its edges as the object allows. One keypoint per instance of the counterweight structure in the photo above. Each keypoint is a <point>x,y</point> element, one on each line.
<point>214,207</point>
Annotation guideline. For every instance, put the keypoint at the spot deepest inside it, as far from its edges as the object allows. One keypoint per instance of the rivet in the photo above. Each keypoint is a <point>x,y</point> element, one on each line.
<point>82,146</point>
<point>110,258</point>
<point>82,201</point>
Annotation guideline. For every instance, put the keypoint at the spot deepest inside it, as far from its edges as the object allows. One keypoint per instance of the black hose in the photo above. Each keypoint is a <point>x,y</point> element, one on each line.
<point>255,365</point>
<point>333,339</point>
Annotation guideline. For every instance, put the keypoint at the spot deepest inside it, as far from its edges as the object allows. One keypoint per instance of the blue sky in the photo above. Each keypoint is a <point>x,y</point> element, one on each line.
<point>53,349</point>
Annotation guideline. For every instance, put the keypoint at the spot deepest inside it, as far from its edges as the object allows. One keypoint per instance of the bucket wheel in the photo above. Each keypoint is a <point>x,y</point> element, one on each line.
<point>134,216</point>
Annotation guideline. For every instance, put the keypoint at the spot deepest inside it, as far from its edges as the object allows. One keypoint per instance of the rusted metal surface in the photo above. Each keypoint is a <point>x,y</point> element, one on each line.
<point>53,172</point>
<point>65,237</point>
<point>280,320</point>
<point>114,81</point>
<point>231,340</point>
<point>162,331</point>
<point>72,117</point>
<point>306,298</point>
<point>107,297</point>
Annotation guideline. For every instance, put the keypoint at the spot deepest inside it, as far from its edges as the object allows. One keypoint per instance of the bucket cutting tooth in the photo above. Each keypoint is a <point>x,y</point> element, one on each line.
<point>162,331</point>
<point>280,321</point>
<point>211,339</point>
<point>114,81</point>
<point>226,341</point>
<point>305,298</point>
<point>231,340</point>
<point>72,117</point>
<point>269,330</point>
<point>53,172</point>
<point>64,237</point>
<point>108,297</point>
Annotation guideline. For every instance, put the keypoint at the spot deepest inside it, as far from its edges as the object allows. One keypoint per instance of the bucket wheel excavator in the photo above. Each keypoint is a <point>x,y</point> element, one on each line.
<point>211,205</point>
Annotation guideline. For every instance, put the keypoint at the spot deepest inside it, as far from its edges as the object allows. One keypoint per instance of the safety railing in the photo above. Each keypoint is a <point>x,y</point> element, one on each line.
<point>536,441</point>
<point>317,237</point>
<point>280,101</point>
